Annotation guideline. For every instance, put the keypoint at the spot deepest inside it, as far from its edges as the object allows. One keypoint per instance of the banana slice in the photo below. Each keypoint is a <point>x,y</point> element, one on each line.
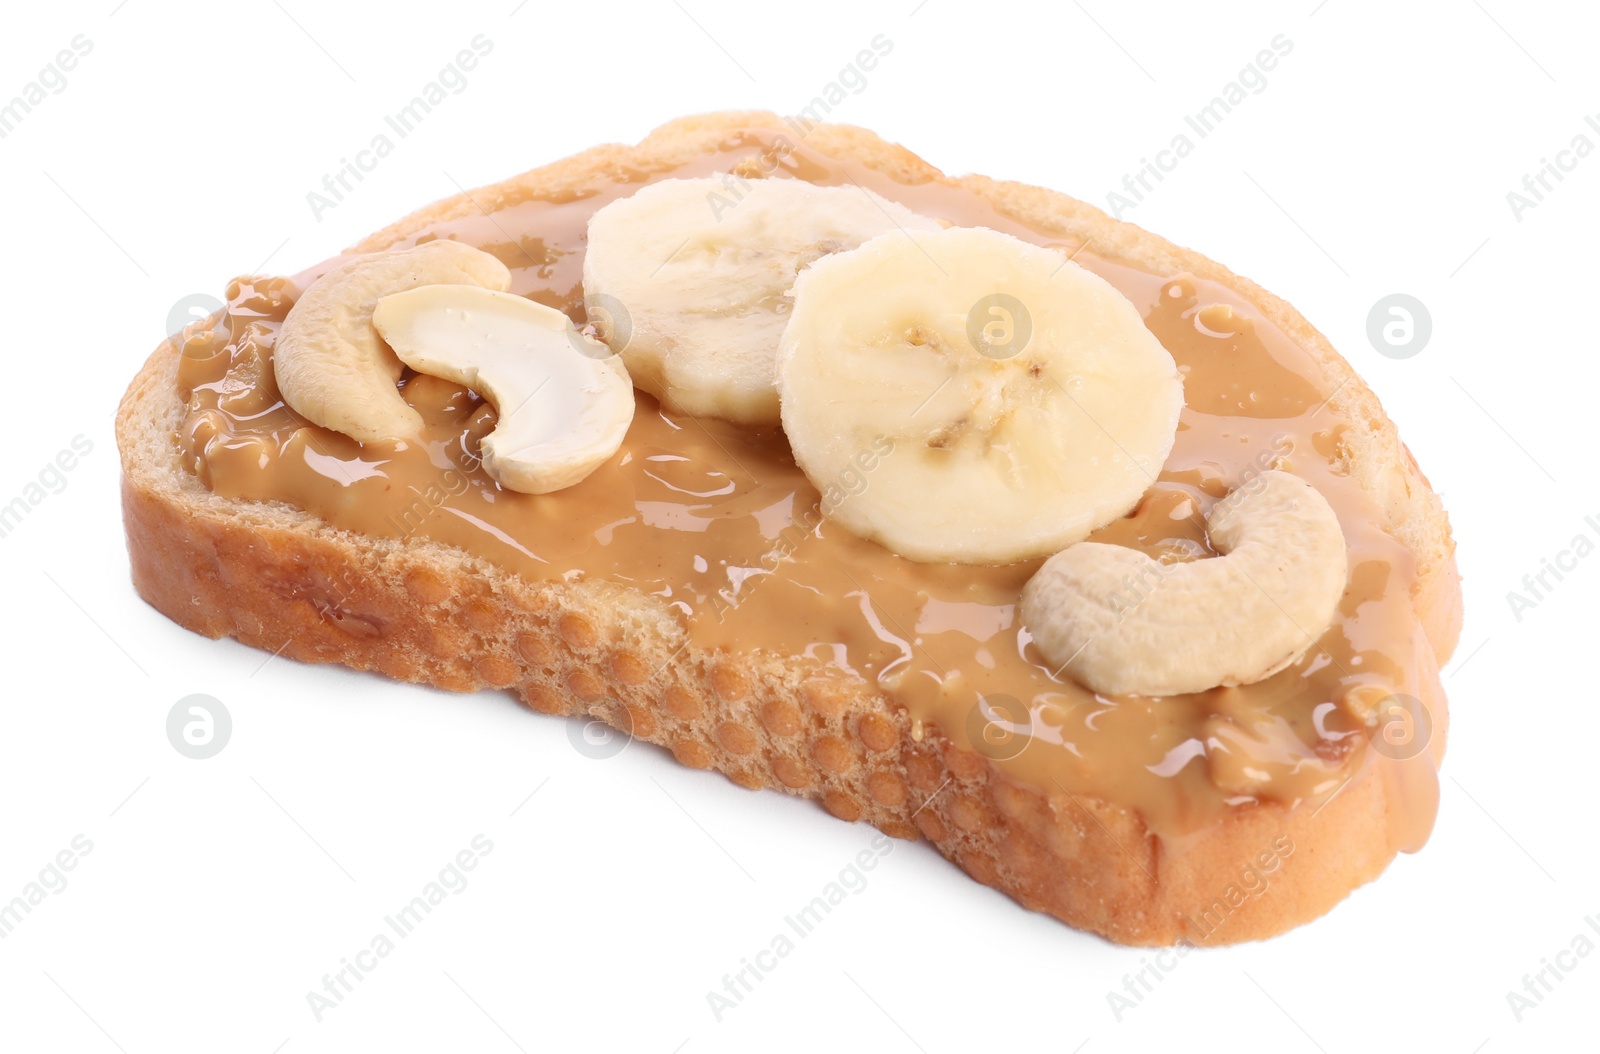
<point>702,281</point>
<point>1021,399</point>
<point>564,401</point>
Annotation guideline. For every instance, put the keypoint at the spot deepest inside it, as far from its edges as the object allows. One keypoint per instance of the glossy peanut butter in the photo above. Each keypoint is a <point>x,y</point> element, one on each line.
<point>718,522</point>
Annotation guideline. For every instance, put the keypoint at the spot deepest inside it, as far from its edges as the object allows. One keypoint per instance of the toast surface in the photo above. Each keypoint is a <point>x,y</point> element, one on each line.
<point>277,577</point>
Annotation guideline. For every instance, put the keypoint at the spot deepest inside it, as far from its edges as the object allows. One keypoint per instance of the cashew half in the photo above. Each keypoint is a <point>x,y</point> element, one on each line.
<point>1122,624</point>
<point>564,401</point>
<point>331,367</point>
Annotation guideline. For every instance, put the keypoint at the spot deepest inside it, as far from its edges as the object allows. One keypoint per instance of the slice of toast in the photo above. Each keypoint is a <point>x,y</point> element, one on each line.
<point>279,578</point>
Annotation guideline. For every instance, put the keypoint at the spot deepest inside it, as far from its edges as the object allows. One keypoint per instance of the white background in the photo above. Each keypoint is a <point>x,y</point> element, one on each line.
<point>219,892</point>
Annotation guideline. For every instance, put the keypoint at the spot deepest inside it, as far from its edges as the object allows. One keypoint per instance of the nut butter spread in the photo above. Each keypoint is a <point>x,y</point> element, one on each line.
<point>718,521</point>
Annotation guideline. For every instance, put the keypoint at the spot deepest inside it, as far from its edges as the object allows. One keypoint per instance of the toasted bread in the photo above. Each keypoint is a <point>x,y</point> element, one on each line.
<point>279,578</point>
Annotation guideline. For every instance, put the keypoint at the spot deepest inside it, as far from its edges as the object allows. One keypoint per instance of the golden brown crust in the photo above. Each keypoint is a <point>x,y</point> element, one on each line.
<point>277,578</point>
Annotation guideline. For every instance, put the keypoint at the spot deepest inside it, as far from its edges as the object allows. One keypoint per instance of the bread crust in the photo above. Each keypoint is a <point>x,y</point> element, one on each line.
<point>278,578</point>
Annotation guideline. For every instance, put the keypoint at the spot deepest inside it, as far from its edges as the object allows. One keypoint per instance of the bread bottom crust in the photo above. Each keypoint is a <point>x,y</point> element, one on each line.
<point>453,622</point>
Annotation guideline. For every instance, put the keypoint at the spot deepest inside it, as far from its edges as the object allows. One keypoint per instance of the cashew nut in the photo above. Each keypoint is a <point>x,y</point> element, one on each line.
<point>331,367</point>
<point>564,401</point>
<point>1123,624</point>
